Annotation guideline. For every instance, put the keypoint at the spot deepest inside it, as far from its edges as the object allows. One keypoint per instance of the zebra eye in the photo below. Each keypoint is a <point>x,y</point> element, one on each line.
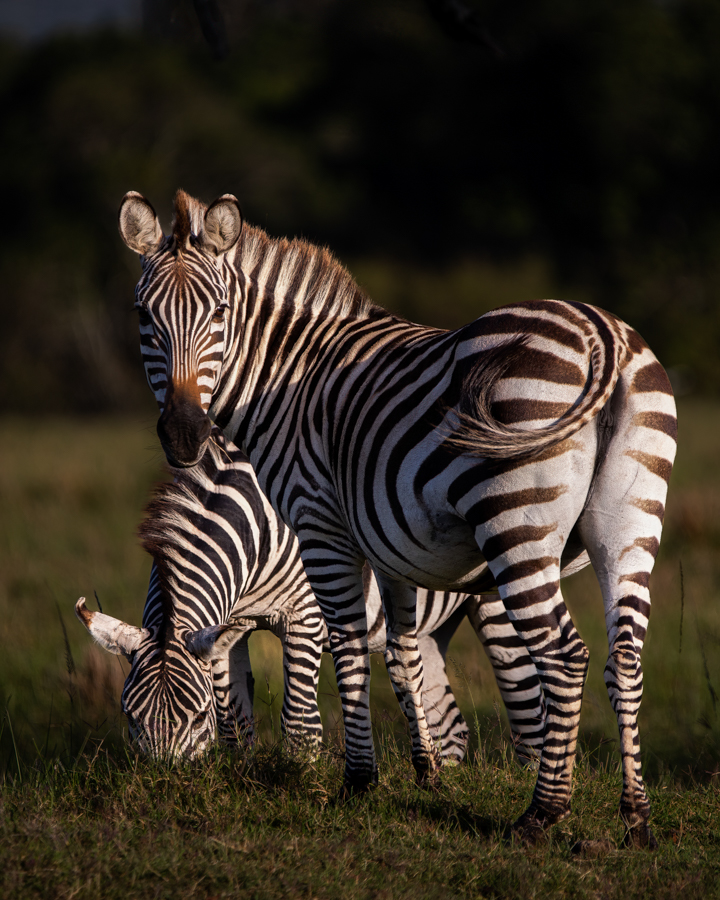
<point>144,315</point>
<point>201,719</point>
<point>219,311</point>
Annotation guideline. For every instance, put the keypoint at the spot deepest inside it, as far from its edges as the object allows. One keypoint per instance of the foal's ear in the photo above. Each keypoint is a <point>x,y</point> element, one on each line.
<point>139,225</point>
<point>216,640</point>
<point>113,634</point>
<point>223,224</point>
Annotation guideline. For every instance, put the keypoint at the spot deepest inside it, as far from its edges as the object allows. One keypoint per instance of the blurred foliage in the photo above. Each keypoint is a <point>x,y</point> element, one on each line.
<point>582,161</point>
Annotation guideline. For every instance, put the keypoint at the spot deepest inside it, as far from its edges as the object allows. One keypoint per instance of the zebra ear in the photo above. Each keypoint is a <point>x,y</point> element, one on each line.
<point>210,643</point>
<point>112,634</point>
<point>139,225</point>
<point>223,224</point>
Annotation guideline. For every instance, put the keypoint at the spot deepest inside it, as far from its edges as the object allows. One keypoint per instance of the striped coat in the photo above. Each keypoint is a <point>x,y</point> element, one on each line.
<point>535,438</point>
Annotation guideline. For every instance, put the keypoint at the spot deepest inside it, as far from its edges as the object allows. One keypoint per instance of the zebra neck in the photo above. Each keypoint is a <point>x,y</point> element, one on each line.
<point>179,601</point>
<point>284,341</point>
<point>288,295</point>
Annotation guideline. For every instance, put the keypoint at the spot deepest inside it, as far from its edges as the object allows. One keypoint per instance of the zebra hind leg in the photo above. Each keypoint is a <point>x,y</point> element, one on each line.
<point>562,668</point>
<point>528,576</point>
<point>623,677</point>
<point>624,577</point>
<point>515,675</point>
<point>621,527</point>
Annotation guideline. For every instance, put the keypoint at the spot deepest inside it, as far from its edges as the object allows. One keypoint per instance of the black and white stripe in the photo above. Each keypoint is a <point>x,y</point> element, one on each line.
<point>539,436</point>
<point>223,560</point>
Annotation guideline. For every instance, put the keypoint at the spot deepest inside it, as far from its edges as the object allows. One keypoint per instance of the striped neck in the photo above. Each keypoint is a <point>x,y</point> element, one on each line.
<point>203,554</point>
<point>292,306</point>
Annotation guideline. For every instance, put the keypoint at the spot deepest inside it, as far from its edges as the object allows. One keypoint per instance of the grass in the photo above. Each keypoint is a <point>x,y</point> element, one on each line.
<point>266,825</point>
<point>80,815</point>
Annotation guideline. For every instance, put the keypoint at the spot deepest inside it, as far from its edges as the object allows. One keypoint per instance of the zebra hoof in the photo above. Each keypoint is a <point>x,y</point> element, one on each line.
<point>357,786</point>
<point>429,780</point>
<point>532,826</point>
<point>427,773</point>
<point>640,837</point>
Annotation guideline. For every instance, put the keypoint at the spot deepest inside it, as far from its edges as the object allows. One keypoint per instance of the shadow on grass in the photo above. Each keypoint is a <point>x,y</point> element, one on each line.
<point>464,818</point>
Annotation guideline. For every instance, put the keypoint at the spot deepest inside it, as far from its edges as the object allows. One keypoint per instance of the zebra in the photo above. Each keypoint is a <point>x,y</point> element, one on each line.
<point>539,436</point>
<point>225,565</point>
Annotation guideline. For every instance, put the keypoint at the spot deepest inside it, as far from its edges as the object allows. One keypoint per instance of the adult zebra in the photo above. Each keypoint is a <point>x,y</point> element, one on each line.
<point>539,433</point>
<point>224,565</point>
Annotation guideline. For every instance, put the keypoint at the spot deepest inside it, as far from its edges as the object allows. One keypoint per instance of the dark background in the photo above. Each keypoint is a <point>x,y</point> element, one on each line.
<point>455,156</point>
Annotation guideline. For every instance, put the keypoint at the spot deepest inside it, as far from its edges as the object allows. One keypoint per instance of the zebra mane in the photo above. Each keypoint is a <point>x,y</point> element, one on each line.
<point>289,269</point>
<point>189,218</point>
<point>172,503</point>
<point>295,268</point>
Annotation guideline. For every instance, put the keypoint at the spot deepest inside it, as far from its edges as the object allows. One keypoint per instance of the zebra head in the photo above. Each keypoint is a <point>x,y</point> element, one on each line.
<point>183,304</point>
<point>168,695</point>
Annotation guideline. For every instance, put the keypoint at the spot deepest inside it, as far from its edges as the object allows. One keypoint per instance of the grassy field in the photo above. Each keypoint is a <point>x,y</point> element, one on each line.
<point>268,827</point>
<point>78,812</point>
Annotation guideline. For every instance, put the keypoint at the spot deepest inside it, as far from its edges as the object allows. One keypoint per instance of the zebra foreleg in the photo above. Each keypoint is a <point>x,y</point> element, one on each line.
<point>234,685</point>
<point>448,729</point>
<point>405,667</point>
<point>336,579</point>
<point>515,674</point>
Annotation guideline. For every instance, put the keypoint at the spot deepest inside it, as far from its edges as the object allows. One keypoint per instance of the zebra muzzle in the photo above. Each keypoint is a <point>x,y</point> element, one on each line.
<point>184,430</point>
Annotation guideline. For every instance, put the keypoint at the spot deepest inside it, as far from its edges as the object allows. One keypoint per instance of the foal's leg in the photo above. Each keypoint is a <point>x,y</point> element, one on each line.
<point>447,726</point>
<point>234,685</point>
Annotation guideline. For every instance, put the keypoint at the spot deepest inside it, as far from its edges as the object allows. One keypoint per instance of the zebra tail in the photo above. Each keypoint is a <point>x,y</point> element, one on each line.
<point>474,430</point>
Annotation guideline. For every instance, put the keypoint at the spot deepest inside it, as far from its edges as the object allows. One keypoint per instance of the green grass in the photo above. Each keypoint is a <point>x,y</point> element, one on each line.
<point>81,816</point>
<point>266,825</point>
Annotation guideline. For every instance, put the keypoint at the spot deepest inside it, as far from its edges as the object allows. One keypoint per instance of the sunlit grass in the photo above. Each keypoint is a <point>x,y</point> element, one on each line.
<point>266,824</point>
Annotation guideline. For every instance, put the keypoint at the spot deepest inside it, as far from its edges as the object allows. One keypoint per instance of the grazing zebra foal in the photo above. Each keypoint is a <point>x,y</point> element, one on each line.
<point>541,435</point>
<point>223,565</point>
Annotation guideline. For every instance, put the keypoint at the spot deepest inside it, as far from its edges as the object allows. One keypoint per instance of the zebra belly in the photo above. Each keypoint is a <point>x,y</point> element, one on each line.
<point>449,560</point>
